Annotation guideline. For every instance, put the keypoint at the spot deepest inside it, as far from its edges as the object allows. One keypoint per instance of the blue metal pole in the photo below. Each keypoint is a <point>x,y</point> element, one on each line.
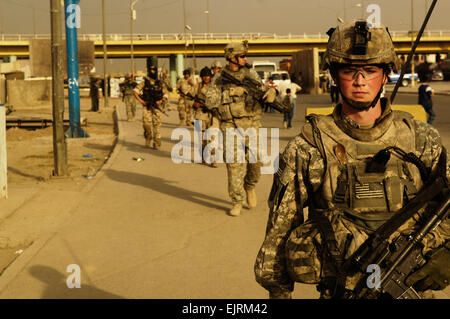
<point>73,22</point>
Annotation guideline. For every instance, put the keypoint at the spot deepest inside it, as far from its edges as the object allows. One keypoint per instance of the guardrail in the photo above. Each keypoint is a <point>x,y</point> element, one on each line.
<point>206,36</point>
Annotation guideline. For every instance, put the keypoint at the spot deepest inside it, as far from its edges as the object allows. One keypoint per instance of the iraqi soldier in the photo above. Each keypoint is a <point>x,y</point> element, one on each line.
<point>216,66</point>
<point>185,85</point>
<point>326,169</point>
<point>127,90</point>
<point>151,93</point>
<point>202,113</point>
<point>237,109</point>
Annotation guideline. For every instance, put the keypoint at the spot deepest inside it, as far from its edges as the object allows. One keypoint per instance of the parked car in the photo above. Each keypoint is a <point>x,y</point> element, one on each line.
<point>277,77</point>
<point>393,78</point>
<point>438,75</point>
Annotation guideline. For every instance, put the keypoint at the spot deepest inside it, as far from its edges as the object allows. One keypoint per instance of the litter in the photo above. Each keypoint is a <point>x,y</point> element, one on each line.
<point>87,155</point>
<point>138,159</point>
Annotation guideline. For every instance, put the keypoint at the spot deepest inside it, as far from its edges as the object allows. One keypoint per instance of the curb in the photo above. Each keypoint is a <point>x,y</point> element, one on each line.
<point>17,265</point>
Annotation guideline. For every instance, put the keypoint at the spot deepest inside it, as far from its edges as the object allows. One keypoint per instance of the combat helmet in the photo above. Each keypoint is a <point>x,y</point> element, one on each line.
<point>234,49</point>
<point>205,72</point>
<point>216,64</point>
<point>359,43</point>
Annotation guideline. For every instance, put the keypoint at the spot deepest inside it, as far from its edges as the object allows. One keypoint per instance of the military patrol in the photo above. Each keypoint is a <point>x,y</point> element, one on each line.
<point>353,170</point>
<point>127,91</point>
<point>235,108</point>
<point>151,93</point>
<point>185,85</point>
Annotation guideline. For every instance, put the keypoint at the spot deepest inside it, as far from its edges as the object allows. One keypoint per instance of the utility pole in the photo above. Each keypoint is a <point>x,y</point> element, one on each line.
<point>59,141</point>
<point>412,43</point>
<point>3,157</point>
<point>208,29</point>
<point>105,58</point>
<point>132,18</point>
<point>184,28</point>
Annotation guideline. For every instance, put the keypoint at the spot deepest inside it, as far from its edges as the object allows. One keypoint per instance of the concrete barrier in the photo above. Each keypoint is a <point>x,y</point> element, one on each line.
<point>29,92</point>
<point>416,110</point>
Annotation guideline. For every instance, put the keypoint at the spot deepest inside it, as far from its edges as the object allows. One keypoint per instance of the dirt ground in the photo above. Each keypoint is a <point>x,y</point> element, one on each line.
<point>31,160</point>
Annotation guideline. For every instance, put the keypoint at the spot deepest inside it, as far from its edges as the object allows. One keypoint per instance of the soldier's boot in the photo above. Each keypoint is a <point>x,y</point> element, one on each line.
<point>181,122</point>
<point>148,142</point>
<point>156,145</point>
<point>214,164</point>
<point>284,124</point>
<point>251,198</point>
<point>235,210</point>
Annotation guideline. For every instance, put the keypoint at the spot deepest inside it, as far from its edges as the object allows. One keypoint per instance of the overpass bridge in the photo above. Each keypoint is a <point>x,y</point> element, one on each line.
<point>212,44</point>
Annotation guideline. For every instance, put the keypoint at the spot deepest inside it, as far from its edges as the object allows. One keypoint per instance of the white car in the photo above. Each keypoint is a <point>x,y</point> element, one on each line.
<point>277,77</point>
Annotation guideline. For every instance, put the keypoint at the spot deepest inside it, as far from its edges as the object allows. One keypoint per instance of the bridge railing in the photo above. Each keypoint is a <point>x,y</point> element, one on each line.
<point>205,36</point>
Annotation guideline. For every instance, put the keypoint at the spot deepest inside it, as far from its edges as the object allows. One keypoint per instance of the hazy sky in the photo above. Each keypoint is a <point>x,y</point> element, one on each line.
<point>234,16</point>
<point>271,16</point>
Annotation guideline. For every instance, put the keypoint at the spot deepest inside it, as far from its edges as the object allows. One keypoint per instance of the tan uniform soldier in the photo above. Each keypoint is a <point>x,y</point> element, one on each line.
<point>201,112</point>
<point>127,90</point>
<point>237,109</point>
<point>185,85</point>
<point>216,66</point>
<point>151,93</point>
<point>353,170</point>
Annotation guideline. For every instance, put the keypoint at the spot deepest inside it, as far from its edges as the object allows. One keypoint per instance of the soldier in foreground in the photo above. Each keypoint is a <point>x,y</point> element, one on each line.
<point>235,108</point>
<point>152,97</point>
<point>127,90</point>
<point>200,111</point>
<point>353,170</point>
<point>185,85</point>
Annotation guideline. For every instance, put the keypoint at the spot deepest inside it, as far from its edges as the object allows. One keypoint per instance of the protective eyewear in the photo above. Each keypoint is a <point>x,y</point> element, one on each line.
<point>368,73</point>
<point>243,56</point>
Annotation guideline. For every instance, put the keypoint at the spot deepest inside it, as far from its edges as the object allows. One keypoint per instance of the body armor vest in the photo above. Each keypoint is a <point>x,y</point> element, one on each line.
<point>366,198</point>
<point>151,91</point>
<point>236,102</point>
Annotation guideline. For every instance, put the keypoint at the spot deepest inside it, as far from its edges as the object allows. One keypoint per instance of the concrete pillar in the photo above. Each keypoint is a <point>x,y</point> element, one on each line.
<point>173,69</point>
<point>180,65</point>
<point>316,72</point>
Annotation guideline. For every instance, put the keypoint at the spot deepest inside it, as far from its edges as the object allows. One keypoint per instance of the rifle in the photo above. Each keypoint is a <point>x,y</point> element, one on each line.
<point>254,89</point>
<point>150,104</point>
<point>397,260</point>
<point>198,100</point>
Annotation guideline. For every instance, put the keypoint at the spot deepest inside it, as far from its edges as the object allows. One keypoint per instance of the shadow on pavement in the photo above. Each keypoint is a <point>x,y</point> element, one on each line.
<point>164,186</point>
<point>56,287</point>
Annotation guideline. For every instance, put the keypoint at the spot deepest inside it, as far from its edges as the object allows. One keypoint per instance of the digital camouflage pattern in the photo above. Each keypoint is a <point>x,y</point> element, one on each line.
<point>127,90</point>
<point>380,49</point>
<point>185,109</point>
<point>289,251</point>
<point>237,109</point>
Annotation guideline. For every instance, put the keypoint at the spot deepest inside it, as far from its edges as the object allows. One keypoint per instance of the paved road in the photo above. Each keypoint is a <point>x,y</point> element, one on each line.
<point>153,229</point>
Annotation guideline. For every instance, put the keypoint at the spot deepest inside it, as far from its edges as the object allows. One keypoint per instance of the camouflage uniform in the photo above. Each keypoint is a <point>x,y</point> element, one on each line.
<point>323,169</point>
<point>237,109</point>
<point>185,111</point>
<point>127,90</point>
<point>151,114</point>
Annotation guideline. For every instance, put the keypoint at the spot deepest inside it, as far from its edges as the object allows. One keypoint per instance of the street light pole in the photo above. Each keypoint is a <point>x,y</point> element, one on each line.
<point>105,58</point>
<point>207,17</point>
<point>132,18</point>
<point>412,43</point>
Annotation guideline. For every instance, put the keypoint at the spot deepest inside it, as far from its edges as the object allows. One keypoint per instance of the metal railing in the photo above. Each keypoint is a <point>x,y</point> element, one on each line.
<point>206,36</point>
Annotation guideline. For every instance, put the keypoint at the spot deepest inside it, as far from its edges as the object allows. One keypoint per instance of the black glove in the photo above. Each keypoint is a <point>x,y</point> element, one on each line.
<point>435,274</point>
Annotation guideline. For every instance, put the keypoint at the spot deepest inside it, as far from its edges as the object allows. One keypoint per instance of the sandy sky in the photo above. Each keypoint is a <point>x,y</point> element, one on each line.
<point>167,16</point>
<point>225,16</point>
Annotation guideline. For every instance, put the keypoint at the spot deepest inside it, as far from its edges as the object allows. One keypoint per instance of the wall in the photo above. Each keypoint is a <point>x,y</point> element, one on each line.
<point>307,62</point>
<point>29,92</point>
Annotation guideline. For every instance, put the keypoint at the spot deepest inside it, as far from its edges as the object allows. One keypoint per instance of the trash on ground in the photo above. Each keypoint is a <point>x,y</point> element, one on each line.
<point>19,251</point>
<point>88,155</point>
<point>138,159</point>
